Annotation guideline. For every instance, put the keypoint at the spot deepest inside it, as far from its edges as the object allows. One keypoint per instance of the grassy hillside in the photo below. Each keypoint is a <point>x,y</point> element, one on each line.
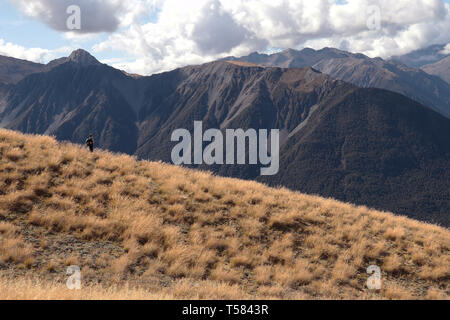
<point>151,230</point>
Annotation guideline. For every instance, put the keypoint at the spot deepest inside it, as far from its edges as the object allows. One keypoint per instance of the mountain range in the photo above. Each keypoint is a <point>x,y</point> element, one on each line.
<point>365,72</point>
<point>425,56</point>
<point>440,69</point>
<point>362,145</point>
<point>434,60</point>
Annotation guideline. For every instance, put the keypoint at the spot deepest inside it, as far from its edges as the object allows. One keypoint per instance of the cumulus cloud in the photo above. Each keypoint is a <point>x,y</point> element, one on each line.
<point>214,21</point>
<point>201,30</point>
<point>196,31</point>
<point>96,15</point>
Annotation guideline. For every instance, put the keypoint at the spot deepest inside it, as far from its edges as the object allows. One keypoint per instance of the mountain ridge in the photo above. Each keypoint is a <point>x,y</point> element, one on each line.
<point>363,71</point>
<point>425,56</point>
<point>12,70</point>
<point>440,68</point>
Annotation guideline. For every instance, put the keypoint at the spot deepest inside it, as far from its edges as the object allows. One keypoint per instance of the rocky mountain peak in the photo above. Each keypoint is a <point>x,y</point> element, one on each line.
<point>83,57</point>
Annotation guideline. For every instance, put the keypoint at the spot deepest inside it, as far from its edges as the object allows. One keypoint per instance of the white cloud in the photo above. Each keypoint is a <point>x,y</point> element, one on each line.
<point>201,30</point>
<point>96,15</point>
<point>31,54</point>
<point>446,50</point>
<point>196,31</point>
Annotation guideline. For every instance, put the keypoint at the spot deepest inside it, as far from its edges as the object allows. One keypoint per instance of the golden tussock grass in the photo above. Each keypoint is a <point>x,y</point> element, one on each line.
<point>145,230</point>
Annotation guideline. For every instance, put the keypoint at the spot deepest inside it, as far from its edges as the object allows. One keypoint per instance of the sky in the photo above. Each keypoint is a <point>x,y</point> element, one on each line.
<point>151,36</point>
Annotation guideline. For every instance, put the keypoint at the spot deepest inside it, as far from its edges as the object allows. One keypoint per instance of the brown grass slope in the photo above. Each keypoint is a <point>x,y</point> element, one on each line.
<point>151,230</point>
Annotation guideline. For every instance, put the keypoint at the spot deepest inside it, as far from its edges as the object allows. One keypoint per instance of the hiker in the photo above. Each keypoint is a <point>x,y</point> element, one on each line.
<point>90,143</point>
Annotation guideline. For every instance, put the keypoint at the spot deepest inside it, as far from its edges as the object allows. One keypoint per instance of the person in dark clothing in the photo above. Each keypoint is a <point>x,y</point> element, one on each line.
<point>90,143</point>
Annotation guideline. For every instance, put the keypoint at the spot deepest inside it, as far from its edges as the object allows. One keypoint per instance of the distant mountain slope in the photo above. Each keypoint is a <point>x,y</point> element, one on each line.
<point>364,72</point>
<point>225,95</point>
<point>367,146</point>
<point>13,70</point>
<point>440,69</point>
<point>166,231</point>
<point>424,56</point>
